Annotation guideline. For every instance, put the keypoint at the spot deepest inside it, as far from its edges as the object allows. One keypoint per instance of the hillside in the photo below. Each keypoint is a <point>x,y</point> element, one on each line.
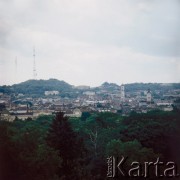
<point>132,87</point>
<point>152,86</point>
<point>107,85</point>
<point>37,87</point>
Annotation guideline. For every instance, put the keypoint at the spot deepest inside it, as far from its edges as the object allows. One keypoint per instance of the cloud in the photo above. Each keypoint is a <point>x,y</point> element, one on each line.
<point>91,41</point>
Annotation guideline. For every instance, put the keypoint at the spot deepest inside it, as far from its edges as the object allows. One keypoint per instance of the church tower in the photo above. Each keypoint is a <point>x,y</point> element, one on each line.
<point>122,93</point>
<point>149,96</point>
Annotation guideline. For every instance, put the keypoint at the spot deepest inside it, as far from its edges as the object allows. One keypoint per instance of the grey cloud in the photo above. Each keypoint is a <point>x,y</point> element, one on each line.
<point>86,33</point>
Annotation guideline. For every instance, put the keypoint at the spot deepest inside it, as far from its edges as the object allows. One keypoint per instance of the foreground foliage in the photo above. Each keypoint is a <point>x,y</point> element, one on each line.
<point>55,147</point>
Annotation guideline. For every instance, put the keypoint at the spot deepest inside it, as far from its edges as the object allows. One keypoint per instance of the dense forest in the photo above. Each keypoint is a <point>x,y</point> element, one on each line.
<point>57,147</point>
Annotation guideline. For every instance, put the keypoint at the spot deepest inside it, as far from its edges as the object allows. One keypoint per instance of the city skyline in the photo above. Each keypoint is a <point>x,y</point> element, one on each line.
<point>90,42</point>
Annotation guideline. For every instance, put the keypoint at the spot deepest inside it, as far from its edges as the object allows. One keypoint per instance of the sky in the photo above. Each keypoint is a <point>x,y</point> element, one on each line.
<point>88,42</point>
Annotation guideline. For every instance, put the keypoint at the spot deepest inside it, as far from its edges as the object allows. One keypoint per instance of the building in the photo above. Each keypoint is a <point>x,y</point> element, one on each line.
<point>122,93</point>
<point>5,115</point>
<point>142,103</point>
<point>89,93</point>
<point>73,113</point>
<point>47,93</point>
<point>168,108</point>
<point>22,116</point>
<point>149,96</point>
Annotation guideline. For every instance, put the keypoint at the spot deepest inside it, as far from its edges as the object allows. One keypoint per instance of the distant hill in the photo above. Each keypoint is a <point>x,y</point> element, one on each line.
<point>140,86</point>
<point>151,86</point>
<point>37,87</point>
<point>109,86</point>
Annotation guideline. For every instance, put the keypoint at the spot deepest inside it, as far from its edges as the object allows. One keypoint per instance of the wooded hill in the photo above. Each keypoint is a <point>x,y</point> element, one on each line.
<point>38,87</point>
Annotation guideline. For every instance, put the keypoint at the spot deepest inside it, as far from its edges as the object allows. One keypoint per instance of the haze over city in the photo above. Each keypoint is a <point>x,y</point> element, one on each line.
<point>90,41</point>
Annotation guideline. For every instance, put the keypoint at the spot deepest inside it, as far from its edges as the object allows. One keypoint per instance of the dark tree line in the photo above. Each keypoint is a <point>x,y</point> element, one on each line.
<point>56,147</point>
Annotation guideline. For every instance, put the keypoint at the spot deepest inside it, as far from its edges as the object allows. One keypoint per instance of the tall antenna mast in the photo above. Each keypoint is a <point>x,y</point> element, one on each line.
<point>34,65</point>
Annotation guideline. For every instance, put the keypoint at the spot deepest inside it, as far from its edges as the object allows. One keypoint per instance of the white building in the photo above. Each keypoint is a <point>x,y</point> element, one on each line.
<point>47,93</point>
<point>122,93</point>
<point>168,108</point>
<point>89,93</point>
<point>73,113</point>
<point>149,96</point>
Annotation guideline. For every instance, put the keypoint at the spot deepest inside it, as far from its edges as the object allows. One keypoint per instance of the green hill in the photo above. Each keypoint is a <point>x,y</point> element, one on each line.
<point>152,86</point>
<point>37,87</point>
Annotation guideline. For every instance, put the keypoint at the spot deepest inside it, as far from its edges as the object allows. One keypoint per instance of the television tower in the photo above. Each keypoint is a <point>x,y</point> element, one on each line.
<point>34,65</point>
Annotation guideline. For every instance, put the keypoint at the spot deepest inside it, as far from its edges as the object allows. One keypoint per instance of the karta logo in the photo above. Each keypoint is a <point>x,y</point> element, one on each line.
<point>117,167</point>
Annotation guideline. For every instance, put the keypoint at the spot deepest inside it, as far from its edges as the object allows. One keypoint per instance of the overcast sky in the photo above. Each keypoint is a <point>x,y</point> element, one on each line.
<point>90,41</point>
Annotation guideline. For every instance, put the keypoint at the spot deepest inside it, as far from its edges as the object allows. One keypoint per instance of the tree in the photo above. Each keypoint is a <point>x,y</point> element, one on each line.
<point>70,147</point>
<point>7,163</point>
<point>32,157</point>
<point>131,149</point>
<point>85,115</point>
